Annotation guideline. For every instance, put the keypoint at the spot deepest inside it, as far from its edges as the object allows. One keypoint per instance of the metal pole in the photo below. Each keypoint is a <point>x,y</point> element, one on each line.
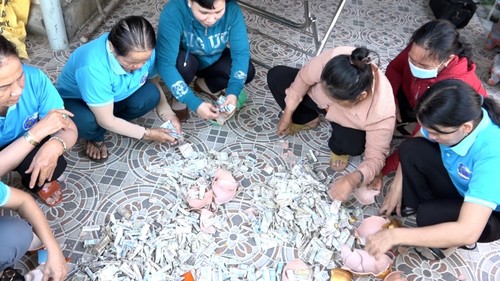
<point>54,24</point>
<point>332,25</point>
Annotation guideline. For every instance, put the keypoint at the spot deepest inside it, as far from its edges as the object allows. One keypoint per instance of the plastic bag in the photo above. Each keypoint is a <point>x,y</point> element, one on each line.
<point>13,20</point>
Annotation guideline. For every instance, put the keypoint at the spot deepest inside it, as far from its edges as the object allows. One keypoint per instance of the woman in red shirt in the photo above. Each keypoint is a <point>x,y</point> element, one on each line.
<point>435,53</point>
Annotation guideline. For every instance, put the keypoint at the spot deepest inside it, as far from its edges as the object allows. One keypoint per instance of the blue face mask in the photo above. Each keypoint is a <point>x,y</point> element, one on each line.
<point>423,73</point>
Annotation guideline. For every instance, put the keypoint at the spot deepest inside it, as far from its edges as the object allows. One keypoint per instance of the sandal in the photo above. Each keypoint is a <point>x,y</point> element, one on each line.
<point>334,158</point>
<point>204,89</point>
<point>469,247</point>
<point>404,130</point>
<point>36,244</point>
<point>405,212</point>
<point>295,128</point>
<point>100,146</point>
<point>48,191</point>
<point>430,254</point>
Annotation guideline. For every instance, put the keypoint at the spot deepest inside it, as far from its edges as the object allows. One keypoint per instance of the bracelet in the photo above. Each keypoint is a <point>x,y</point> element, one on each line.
<point>30,139</point>
<point>362,177</point>
<point>61,141</point>
<point>145,133</point>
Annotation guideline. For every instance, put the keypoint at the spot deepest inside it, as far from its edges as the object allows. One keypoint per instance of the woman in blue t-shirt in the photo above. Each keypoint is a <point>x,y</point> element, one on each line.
<point>449,177</point>
<point>19,235</point>
<point>110,81</point>
<point>35,129</point>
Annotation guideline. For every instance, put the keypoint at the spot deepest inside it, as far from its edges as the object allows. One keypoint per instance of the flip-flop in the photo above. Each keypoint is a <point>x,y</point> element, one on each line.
<point>295,128</point>
<point>47,191</point>
<point>198,89</point>
<point>429,254</point>
<point>342,158</point>
<point>99,147</point>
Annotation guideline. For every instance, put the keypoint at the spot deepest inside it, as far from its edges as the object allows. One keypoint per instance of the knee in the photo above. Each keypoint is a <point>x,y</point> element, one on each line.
<point>411,148</point>
<point>274,73</point>
<point>251,73</point>
<point>15,235</point>
<point>152,98</point>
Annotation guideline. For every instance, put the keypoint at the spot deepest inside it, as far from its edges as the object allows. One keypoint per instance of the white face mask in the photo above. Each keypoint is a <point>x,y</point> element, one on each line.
<point>423,73</point>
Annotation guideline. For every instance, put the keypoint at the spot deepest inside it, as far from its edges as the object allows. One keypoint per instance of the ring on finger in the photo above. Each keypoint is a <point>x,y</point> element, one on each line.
<point>65,116</point>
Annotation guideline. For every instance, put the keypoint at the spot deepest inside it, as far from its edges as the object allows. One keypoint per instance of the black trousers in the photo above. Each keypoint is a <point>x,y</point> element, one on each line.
<point>24,165</point>
<point>216,75</point>
<point>427,187</point>
<point>405,110</point>
<point>343,140</point>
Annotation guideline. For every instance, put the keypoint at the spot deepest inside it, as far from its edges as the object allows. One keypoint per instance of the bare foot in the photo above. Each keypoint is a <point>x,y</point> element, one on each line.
<point>338,162</point>
<point>96,150</point>
<point>51,193</point>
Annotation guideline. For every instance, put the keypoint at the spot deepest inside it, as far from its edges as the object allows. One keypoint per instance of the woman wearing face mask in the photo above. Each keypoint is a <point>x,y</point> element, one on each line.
<point>435,53</point>
<point>112,80</point>
<point>449,176</point>
<point>193,40</point>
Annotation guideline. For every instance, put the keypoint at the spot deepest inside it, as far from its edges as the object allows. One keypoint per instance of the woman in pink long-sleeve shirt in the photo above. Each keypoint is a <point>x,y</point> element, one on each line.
<point>355,97</point>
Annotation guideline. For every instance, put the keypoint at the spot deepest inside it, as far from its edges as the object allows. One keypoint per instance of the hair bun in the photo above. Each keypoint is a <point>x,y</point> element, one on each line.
<point>359,57</point>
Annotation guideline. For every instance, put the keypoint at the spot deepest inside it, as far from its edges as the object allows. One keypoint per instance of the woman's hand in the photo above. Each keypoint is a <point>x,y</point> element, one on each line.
<point>159,135</point>
<point>284,123</point>
<point>56,267</point>
<point>380,242</point>
<point>176,123</point>
<point>230,99</point>
<point>44,163</point>
<point>207,111</point>
<point>55,120</point>
<point>394,197</point>
<point>342,188</point>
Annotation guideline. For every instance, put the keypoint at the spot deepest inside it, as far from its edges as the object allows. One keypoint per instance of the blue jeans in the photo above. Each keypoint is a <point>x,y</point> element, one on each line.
<point>145,99</point>
<point>16,235</point>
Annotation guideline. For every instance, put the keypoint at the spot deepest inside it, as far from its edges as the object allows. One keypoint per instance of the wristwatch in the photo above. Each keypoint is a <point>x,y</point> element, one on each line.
<point>30,139</point>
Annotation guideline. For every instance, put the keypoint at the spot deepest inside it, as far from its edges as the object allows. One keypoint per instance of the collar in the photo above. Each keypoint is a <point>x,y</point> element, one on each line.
<point>463,147</point>
<point>113,62</point>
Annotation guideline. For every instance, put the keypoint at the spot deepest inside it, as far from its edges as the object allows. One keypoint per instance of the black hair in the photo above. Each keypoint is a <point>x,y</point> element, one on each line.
<point>451,103</point>
<point>7,49</point>
<point>207,4</point>
<point>133,33</point>
<point>347,76</point>
<point>440,38</point>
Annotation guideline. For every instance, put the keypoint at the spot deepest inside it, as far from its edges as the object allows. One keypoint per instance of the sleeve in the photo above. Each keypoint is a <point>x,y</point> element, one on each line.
<point>240,52</point>
<point>152,69</point>
<point>377,147</point>
<point>482,189</point>
<point>50,98</point>
<point>95,86</point>
<point>395,70</point>
<point>167,51</point>
<point>308,76</point>
<point>4,193</point>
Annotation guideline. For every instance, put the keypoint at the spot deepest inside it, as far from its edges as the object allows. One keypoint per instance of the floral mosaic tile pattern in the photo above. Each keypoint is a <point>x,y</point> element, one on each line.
<point>93,191</point>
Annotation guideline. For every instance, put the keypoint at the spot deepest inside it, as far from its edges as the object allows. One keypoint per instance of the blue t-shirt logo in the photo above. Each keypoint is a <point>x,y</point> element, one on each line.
<point>30,121</point>
<point>464,172</point>
<point>143,78</point>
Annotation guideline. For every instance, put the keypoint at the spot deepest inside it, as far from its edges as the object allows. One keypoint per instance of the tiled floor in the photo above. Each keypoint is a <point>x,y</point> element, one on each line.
<point>93,191</point>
